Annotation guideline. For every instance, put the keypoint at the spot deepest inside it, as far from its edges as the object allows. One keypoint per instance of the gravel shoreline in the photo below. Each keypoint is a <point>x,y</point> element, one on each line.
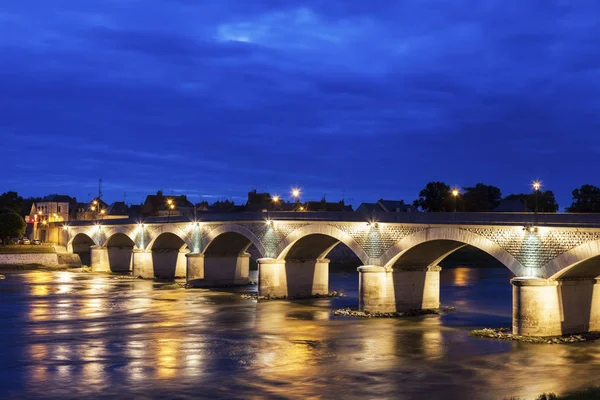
<point>353,312</point>
<point>505,334</point>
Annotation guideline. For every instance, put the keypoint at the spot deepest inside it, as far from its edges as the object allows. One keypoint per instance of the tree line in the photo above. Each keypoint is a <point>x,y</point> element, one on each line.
<point>440,197</point>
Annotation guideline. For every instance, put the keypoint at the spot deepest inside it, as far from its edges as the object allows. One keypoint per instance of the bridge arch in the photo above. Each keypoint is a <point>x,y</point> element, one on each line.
<point>232,239</point>
<point>172,229</point>
<point>119,250</point>
<point>316,241</point>
<point>120,230</point>
<point>81,244</point>
<point>432,245</point>
<point>581,262</point>
<point>168,251</point>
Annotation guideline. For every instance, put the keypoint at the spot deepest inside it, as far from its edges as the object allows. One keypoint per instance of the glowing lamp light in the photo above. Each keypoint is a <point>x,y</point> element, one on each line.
<point>172,206</point>
<point>170,201</point>
<point>269,222</point>
<point>65,227</point>
<point>301,208</point>
<point>44,222</point>
<point>93,208</point>
<point>275,199</point>
<point>296,193</point>
<point>102,211</point>
<point>536,185</point>
<point>95,202</point>
<point>455,192</point>
<point>40,212</point>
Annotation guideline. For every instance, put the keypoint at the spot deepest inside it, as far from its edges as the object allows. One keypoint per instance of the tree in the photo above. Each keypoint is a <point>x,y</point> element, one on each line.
<point>223,206</point>
<point>11,200</point>
<point>12,225</point>
<point>481,198</point>
<point>546,202</point>
<point>435,197</point>
<point>586,199</point>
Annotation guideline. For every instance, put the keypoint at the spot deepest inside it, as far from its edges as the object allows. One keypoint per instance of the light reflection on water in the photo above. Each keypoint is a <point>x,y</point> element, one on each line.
<point>70,335</point>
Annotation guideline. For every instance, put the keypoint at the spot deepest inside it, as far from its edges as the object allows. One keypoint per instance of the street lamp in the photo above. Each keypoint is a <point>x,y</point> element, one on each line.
<point>536,188</point>
<point>296,195</point>
<point>275,200</point>
<point>455,193</point>
<point>170,206</point>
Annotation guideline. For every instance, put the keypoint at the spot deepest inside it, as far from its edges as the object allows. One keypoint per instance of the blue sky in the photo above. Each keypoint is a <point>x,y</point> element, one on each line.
<point>362,99</point>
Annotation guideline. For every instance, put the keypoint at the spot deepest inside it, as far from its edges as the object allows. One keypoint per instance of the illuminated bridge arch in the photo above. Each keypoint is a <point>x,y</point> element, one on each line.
<point>316,241</point>
<point>232,239</point>
<point>581,262</point>
<point>119,230</point>
<point>432,245</point>
<point>173,229</point>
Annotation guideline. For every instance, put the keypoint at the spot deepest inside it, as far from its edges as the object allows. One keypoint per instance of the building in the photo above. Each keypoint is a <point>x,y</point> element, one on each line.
<point>53,208</point>
<point>386,206</point>
<point>260,202</point>
<point>324,206</point>
<point>95,209</point>
<point>158,205</point>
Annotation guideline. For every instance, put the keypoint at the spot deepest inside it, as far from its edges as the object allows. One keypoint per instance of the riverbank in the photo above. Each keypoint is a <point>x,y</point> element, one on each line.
<point>354,312</point>
<point>506,334</point>
<point>591,393</point>
<point>36,267</point>
<point>26,249</point>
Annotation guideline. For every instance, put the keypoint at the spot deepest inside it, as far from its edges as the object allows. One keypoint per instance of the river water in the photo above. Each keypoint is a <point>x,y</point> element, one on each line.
<point>78,335</point>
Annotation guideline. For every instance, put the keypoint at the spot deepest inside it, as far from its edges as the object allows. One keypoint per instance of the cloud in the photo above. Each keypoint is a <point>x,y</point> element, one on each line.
<point>335,96</point>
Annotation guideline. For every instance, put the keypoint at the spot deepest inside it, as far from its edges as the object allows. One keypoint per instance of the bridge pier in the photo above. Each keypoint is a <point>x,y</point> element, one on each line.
<point>215,271</point>
<point>99,259</point>
<point>545,307</point>
<point>143,266</point>
<point>292,278</point>
<point>398,290</point>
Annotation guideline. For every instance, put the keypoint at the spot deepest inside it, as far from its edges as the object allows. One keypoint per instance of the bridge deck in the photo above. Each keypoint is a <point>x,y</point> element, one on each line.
<point>458,218</point>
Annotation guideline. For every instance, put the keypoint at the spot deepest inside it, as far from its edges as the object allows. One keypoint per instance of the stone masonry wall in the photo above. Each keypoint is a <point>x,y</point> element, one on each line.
<point>46,259</point>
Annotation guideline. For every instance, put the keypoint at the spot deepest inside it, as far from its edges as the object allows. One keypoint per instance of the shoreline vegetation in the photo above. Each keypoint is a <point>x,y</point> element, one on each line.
<point>354,312</point>
<point>590,393</point>
<point>506,334</point>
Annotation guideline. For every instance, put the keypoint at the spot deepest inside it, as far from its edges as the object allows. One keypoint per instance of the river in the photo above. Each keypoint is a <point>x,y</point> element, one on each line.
<point>78,335</point>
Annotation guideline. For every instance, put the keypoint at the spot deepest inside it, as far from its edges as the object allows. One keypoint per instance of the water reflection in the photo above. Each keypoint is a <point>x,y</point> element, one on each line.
<point>72,335</point>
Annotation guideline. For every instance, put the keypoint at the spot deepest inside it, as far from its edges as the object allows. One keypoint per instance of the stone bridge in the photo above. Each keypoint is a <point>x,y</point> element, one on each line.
<point>555,258</point>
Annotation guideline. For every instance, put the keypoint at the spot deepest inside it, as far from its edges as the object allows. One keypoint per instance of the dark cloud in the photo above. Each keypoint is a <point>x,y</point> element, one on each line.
<point>367,98</point>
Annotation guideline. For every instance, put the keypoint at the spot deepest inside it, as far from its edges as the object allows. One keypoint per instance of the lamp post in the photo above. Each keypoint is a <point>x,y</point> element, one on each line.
<point>275,200</point>
<point>536,188</point>
<point>455,193</point>
<point>296,195</point>
<point>170,206</point>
